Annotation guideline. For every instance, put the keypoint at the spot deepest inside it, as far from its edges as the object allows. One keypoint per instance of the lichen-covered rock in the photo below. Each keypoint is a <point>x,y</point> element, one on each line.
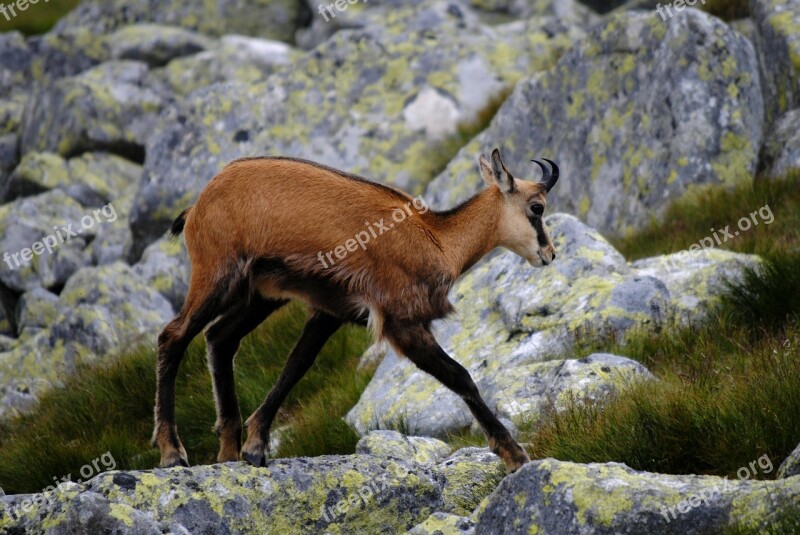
<point>635,114</point>
<point>275,19</point>
<point>15,68</point>
<point>10,120</point>
<point>155,44</point>
<point>66,52</point>
<point>696,279</point>
<point>512,321</point>
<point>422,450</point>
<point>28,221</point>
<point>165,267</point>
<point>791,465</point>
<point>358,103</point>
<point>102,312</point>
<point>38,310</point>
<point>235,58</point>
<point>569,10</point>
<point>444,524</point>
<point>778,46</point>
<point>470,475</point>
<point>550,496</point>
<point>331,494</point>
<point>781,151</point>
<point>105,108</point>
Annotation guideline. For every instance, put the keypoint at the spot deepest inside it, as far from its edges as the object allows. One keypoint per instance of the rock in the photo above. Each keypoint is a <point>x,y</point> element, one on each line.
<point>444,524</point>
<point>104,109</point>
<point>155,44</point>
<point>421,450</point>
<point>31,220</point>
<point>778,45</point>
<point>569,11</point>
<point>781,151</point>
<point>165,267</point>
<point>336,494</point>
<point>687,271</point>
<point>235,59</point>
<point>10,121</point>
<point>92,179</point>
<point>791,465</point>
<point>19,396</point>
<point>343,105</point>
<point>102,312</point>
<point>274,20</point>
<point>550,496</point>
<point>634,114</point>
<point>38,310</point>
<point>514,320</point>
<point>470,475</point>
<point>67,51</point>
<point>15,69</point>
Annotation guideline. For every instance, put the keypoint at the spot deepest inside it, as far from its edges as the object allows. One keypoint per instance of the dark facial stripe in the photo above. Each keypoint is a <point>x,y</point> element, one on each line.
<point>538,226</point>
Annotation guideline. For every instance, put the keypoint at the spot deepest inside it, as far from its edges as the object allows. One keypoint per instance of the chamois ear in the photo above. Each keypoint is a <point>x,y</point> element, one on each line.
<point>502,176</point>
<point>486,171</point>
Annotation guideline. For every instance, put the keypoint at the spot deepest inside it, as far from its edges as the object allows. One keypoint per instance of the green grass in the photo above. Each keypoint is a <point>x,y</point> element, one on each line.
<point>111,408</point>
<point>689,220</point>
<point>37,18</point>
<point>728,390</point>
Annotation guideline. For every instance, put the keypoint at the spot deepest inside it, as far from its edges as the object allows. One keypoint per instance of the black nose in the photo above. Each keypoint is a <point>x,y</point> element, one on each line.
<point>554,256</point>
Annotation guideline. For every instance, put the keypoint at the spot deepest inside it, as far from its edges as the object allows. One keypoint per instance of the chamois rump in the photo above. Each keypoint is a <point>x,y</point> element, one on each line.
<point>253,239</point>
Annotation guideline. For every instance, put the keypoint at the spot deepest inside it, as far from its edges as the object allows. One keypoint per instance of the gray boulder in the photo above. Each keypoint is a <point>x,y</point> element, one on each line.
<point>234,58</point>
<point>10,121</point>
<point>155,44</point>
<point>515,324</point>
<point>550,496</point>
<point>277,19</point>
<point>107,108</point>
<point>15,69</point>
<point>778,45</point>
<point>376,101</point>
<point>66,52</point>
<point>101,313</point>
<point>635,114</point>
<point>791,465</point>
<point>165,267</point>
<point>42,220</point>
<point>781,151</point>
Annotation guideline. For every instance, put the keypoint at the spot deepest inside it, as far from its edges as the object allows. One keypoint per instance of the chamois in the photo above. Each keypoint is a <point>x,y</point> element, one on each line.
<point>254,238</point>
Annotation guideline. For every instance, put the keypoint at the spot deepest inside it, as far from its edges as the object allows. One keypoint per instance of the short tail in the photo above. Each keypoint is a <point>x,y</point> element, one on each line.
<point>177,225</point>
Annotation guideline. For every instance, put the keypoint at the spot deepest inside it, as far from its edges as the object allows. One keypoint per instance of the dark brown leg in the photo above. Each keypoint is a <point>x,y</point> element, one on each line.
<point>418,344</point>
<point>318,328</point>
<point>223,338</point>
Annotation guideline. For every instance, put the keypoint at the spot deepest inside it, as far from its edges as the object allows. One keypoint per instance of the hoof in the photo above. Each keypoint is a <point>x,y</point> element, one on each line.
<point>176,458</point>
<point>256,459</point>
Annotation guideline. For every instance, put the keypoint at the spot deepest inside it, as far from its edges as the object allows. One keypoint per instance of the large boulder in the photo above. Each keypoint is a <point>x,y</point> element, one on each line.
<point>778,45</point>
<point>155,44</point>
<point>550,496</point>
<point>376,101</point>
<point>101,312</point>
<point>276,19</point>
<point>165,267</point>
<point>10,120</point>
<point>791,465</point>
<point>15,69</point>
<point>781,151</point>
<point>635,114</point>
<point>515,324</point>
<point>107,108</point>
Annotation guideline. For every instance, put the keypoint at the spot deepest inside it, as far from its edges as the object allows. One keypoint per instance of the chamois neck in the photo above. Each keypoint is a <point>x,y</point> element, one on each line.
<point>469,231</point>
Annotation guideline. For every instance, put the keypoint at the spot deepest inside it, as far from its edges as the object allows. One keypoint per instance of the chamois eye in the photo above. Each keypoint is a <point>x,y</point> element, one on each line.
<point>537,209</point>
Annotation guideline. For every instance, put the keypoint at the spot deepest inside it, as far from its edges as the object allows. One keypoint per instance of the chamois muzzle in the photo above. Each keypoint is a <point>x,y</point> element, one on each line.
<point>549,178</point>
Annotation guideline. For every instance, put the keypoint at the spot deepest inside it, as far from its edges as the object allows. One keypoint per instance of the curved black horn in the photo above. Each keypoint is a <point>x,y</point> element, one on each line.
<point>549,177</point>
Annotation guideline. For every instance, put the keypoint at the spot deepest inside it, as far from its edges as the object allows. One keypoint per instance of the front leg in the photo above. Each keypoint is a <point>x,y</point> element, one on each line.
<point>418,344</point>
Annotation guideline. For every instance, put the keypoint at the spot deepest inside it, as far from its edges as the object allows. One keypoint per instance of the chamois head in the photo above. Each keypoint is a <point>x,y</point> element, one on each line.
<point>521,227</point>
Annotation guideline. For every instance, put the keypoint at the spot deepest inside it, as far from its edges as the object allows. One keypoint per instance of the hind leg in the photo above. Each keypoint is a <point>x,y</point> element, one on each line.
<point>223,338</point>
<point>203,303</point>
<point>318,328</point>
